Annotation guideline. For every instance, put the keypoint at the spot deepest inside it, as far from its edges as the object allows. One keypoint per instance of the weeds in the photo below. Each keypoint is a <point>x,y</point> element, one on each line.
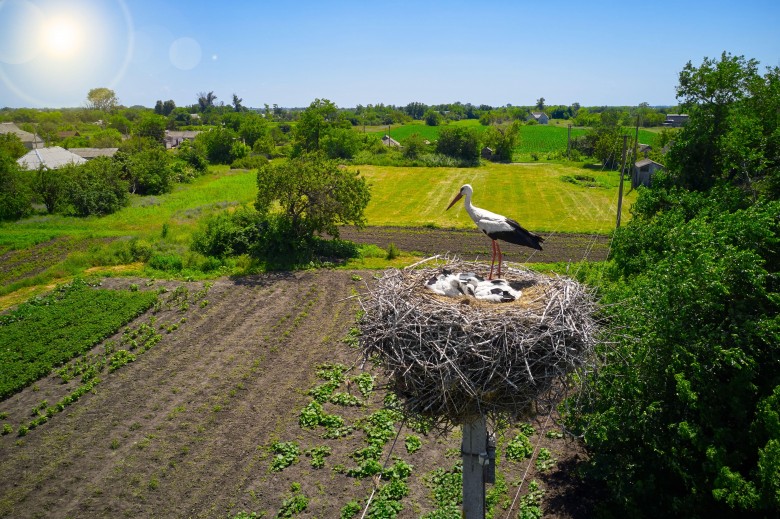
<point>294,504</point>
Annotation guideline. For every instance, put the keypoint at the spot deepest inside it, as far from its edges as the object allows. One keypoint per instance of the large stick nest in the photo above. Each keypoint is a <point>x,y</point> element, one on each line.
<point>449,359</point>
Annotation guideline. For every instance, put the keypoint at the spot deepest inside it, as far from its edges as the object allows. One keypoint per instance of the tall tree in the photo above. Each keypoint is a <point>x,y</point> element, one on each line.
<point>237,103</point>
<point>206,100</point>
<point>102,99</point>
<point>540,104</point>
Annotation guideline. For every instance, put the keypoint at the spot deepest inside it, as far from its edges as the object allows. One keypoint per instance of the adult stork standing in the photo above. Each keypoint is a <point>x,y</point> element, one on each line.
<point>497,227</point>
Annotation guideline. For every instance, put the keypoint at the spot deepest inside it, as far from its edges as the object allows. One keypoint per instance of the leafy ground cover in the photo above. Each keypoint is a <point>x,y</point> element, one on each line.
<point>48,331</point>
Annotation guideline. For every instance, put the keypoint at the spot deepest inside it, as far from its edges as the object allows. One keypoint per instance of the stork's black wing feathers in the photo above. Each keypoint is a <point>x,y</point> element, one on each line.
<point>519,235</point>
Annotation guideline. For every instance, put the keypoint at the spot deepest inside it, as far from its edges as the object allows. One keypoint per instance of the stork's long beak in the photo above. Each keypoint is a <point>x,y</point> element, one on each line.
<point>457,197</point>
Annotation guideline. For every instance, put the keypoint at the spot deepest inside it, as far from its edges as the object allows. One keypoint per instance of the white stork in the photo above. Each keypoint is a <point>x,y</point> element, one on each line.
<point>497,227</point>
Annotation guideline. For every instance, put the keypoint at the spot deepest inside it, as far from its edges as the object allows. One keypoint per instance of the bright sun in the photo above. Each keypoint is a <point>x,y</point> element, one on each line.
<point>61,37</point>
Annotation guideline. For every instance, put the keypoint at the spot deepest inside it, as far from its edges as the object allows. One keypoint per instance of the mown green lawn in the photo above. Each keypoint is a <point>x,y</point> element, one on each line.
<point>536,195</point>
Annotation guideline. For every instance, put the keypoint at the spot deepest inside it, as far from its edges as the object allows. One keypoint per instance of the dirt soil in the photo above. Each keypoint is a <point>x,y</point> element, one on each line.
<point>471,244</point>
<point>186,429</point>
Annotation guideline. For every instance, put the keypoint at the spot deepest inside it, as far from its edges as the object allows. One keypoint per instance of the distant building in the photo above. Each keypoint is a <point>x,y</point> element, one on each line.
<point>65,135</point>
<point>676,120</point>
<point>389,141</point>
<point>539,117</point>
<point>643,172</point>
<point>91,153</point>
<point>174,138</point>
<point>644,149</point>
<point>487,153</point>
<point>30,140</point>
<point>54,157</point>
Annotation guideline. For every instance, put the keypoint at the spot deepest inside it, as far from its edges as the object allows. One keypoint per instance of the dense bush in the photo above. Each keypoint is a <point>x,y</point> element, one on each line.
<point>459,143</point>
<point>15,193</point>
<point>96,188</point>
<point>683,417</point>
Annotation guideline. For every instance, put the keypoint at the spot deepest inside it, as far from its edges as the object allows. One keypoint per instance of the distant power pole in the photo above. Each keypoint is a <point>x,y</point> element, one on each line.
<point>620,190</point>
<point>568,145</point>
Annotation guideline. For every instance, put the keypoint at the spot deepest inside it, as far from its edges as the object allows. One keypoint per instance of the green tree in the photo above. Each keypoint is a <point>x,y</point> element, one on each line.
<point>12,145</point>
<point>503,139</point>
<point>149,172</point>
<point>151,126</point>
<point>218,145</point>
<point>459,143</point>
<point>96,188</point>
<point>103,99</point>
<point>314,194</point>
<point>540,104</point>
<point>414,146</point>
<point>340,143</point>
<point>51,186</point>
<point>432,117</point>
<point>683,417</point>
<point>206,100</point>
<point>15,193</point>
<point>314,122</point>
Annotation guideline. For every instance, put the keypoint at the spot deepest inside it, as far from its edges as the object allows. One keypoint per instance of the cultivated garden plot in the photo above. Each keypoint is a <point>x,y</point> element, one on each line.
<point>251,399</point>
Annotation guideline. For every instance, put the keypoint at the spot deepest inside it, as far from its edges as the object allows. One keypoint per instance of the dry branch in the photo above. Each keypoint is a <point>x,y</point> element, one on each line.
<point>449,359</point>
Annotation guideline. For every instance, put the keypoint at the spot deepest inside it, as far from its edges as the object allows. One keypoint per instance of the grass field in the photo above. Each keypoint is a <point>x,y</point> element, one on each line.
<point>181,209</point>
<point>538,196</point>
<point>533,139</point>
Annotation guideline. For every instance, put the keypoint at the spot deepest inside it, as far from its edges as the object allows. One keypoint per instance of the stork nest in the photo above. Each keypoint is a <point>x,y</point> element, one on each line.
<point>450,359</point>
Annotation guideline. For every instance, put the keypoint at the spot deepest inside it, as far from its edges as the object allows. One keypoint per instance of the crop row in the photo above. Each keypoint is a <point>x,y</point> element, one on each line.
<point>48,331</point>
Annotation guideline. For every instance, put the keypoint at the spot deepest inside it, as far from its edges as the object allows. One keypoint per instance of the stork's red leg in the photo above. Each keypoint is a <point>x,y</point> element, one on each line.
<point>500,257</point>
<point>493,259</point>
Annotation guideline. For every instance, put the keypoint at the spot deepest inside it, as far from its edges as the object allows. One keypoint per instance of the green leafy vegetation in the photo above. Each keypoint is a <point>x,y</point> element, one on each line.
<point>519,448</point>
<point>286,454</point>
<point>48,331</point>
<point>294,504</point>
<point>683,415</point>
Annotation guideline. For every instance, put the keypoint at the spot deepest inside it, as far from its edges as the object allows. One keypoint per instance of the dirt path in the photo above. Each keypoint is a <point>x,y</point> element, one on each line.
<point>185,430</point>
<point>470,244</point>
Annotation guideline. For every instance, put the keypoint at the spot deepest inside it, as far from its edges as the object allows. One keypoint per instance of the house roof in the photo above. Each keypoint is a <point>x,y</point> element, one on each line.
<point>646,162</point>
<point>91,153</point>
<point>23,135</point>
<point>537,115</point>
<point>182,134</point>
<point>52,158</point>
<point>389,141</point>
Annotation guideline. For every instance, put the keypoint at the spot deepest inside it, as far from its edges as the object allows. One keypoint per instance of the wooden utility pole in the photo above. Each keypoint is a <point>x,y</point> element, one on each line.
<point>620,190</point>
<point>568,146</point>
<point>475,459</point>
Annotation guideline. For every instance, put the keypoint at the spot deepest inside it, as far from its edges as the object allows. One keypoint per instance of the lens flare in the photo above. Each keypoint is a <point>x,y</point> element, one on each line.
<point>61,37</point>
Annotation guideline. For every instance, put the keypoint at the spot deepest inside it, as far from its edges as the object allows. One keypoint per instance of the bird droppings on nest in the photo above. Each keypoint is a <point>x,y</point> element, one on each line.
<point>448,361</point>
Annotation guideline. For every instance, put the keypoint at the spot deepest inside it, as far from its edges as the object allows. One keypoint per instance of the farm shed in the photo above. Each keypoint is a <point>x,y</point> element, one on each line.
<point>643,172</point>
<point>389,141</point>
<point>676,120</point>
<point>54,157</point>
<point>174,138</point>
<point>487,153</point>
<point>91,153</point>
<point>539,117</point>
<point>644,149</point>
<point>30,140</point>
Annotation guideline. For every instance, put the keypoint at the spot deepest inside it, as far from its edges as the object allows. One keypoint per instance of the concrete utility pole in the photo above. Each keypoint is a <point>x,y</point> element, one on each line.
<point>620,190</point>
<point>475,459</point>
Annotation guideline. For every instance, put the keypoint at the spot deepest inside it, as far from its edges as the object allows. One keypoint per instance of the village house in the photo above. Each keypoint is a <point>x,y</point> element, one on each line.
<point>539,117</point>
<point>675,120</point>
<point>91,153</point>
<point>53,157</point>
<point>173,138</point>
<point>389,141</point>
<point>30,140</point>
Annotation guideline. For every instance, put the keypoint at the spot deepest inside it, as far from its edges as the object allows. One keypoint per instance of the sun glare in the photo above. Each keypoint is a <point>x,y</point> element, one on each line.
<point>61,37</point>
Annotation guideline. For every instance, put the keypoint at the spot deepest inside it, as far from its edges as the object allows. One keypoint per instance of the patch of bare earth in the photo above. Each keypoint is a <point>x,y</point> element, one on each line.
<point>185,430</point>
<point>471,244</point>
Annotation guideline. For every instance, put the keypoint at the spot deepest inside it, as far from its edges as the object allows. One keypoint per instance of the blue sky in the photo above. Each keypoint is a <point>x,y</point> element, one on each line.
<point>289,53</point>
